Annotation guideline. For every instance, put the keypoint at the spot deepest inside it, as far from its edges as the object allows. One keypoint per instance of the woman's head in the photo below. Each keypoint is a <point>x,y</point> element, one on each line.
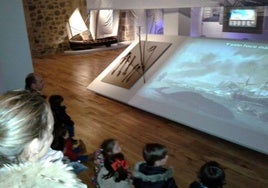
<point>109,147</point>
<point>26,125</point>
<point>212,175</point>
<point>117,167</point>
<point>34,82</point>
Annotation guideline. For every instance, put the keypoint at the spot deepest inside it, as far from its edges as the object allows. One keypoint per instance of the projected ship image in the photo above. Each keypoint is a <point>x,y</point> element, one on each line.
<point>226,80</point>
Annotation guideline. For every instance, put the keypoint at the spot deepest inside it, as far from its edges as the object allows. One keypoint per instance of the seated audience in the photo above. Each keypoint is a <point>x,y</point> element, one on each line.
<point>210,175</point>
<point>61,118</point>
<point>107,148</point>
<point>115,172</point>
<point>58,138</point>
<point>151,174</point>
<point>75,152</point>
<point>34,83</point>
<point>26,125</point>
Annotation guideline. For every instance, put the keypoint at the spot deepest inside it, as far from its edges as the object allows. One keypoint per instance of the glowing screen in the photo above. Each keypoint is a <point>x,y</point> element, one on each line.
<point>242,18</point>
<point>218,82</point>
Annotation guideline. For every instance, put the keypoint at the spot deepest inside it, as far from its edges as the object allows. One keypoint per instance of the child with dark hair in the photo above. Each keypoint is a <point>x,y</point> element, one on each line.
<point>210,175</point>
<point>34,83</point>
<point>108,147</point>
<point>75,154</point>
<point>151,174</point>
<point>115,172</point>
<point>58,138</point>
<point>61,118</point>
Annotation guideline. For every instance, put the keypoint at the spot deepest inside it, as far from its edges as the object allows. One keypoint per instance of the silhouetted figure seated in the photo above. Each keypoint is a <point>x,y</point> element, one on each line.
<point>115,172</point>
<point>108,147</point>
<point>210,175</point>
<point>74,153</point>
<point>61,118</point>
<point>151,173</point>
<point>34,83</point>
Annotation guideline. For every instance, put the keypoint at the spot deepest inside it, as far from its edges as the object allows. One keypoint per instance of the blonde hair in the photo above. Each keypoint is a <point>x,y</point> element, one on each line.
<point>24,116</point>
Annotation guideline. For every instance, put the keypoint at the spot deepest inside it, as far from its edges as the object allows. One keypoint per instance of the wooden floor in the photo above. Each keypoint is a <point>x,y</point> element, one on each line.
<point>97,118</point>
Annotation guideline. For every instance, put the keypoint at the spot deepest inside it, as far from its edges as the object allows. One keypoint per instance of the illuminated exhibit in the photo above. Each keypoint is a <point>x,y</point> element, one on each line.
<point>217,86</point>
<point>243,19</point>
<point>103,29</point>
<point>104,23</point>
<point>129,69</point>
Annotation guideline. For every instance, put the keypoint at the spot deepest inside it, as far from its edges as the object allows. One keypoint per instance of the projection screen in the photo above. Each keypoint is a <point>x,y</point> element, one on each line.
<point>216,86</point>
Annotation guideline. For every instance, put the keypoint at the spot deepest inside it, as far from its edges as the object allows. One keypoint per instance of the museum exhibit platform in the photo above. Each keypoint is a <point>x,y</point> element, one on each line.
<point>217,86</point>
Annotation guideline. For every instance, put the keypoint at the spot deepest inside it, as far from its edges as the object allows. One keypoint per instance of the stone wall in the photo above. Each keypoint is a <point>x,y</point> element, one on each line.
<point>46,24</point>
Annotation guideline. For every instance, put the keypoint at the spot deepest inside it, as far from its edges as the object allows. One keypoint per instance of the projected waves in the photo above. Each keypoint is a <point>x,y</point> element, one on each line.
<point>227,80</point>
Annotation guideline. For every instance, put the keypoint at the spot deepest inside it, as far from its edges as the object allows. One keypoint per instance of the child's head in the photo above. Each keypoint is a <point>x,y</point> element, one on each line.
<point>55,100</point>
<point>109,147</point>
<point>155,154</point>
<point>212,175</point>
<point>117,167</point>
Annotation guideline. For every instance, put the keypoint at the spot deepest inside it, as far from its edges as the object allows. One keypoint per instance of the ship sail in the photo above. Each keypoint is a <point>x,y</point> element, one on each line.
<point>103,29</point>
<point>76,24</point>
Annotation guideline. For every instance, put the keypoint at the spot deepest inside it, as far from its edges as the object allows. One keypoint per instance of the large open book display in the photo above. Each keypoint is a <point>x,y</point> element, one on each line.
<point>216,86</point>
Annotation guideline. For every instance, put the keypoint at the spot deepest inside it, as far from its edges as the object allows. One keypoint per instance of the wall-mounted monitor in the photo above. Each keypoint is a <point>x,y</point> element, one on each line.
<point>243,19</point>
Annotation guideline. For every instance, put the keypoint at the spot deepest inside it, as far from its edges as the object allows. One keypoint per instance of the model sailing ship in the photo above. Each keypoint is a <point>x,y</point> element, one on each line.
<point>102,31</point>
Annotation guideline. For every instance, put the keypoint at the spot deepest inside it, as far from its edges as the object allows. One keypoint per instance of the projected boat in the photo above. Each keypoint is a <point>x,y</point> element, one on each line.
<point>102,32</point>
